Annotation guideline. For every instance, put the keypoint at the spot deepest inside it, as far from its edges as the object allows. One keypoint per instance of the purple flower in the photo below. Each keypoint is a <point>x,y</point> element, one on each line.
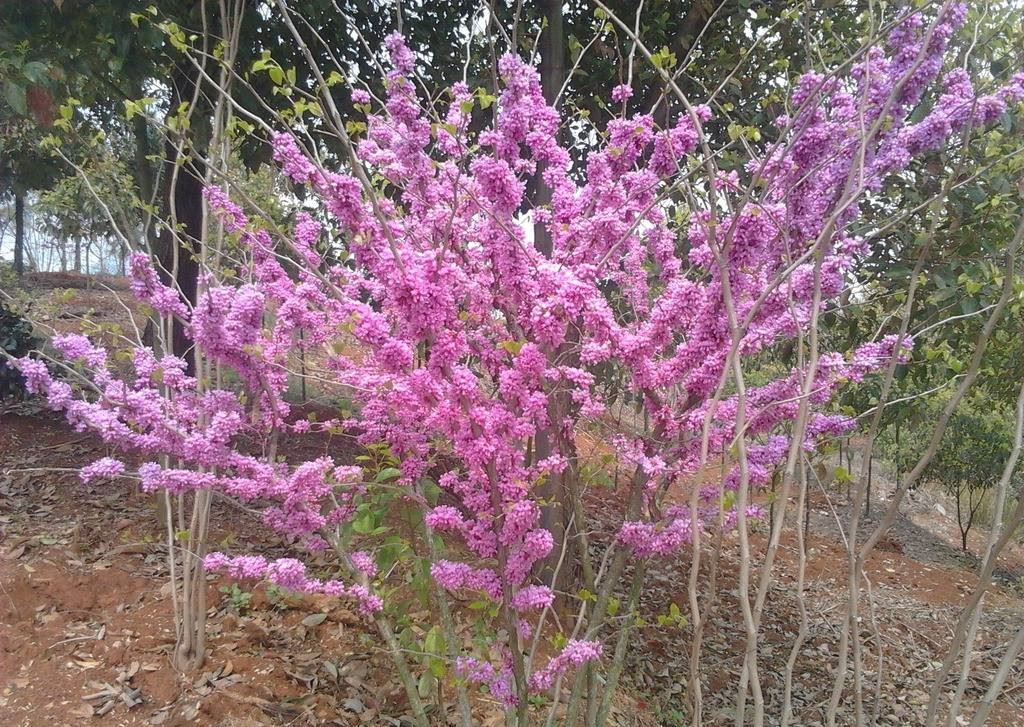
<point>364,563</point>
<point>107,467</point>
<point>621,93</point>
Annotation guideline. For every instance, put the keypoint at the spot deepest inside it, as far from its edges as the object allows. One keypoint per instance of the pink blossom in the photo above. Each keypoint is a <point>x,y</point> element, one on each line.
<point>146,286</point>
<point>107,467</point>
<point>364,563</point>
<point>621,93</point>
<point>574,653</point>
<point>533,598</point>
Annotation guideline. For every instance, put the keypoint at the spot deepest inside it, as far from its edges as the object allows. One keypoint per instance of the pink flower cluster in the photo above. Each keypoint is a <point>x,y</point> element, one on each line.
<point>575,653</point>
<point>104,468</point>
<point>499,680</point>
<point>291,574</point>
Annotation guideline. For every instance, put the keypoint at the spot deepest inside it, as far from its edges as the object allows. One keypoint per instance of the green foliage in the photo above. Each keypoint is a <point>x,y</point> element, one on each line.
<point>85,208</point>
<point>971,455</point>
<point>387,524</point>
<point>961,238</point>
<point>238,600</point>
<point>435,667</point>
<point>279,598</point>
<point>671,717</point>
<point>674,618</point>
<point>16,339</point>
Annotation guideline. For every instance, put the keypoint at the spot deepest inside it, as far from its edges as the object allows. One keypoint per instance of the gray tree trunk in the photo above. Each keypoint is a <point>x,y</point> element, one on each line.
<point>19,233</point>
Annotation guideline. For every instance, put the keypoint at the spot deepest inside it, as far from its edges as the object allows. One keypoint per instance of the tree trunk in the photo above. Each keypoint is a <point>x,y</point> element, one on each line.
<point>178,251</point>
<point>897,449</point>
<point>143,170</point>
<point>558,489</point>
<point>144,174</point>
<point>552,76</point>
<point>867,503</point>
<point>958,494</point>
<point>19,233</point>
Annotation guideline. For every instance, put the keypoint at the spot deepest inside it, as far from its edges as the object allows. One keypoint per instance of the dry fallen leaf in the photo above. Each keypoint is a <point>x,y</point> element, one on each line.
<point>314,619</point>
<point>15,553</point>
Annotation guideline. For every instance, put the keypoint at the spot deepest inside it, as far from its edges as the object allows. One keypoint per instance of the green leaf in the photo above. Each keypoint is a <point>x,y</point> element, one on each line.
<point>364,525</point>
<point>15,95</point>
<point>485,98</point>
<point>434,641</point>
<point>425,686</point>
<point>664,59</point>
<point>575,48</point>
<point>513,347</point>
<point>431,491</point>
<point>354,127</point>
<point>34,71</point>
<point>438,668</point>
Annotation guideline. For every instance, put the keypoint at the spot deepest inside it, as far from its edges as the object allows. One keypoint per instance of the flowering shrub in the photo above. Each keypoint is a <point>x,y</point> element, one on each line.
<point>463,344</point>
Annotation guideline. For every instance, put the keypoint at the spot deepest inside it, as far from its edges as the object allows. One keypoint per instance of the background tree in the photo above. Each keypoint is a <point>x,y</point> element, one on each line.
<point>90,210</point>
<point>26,109</point>
<point>970,458</point>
